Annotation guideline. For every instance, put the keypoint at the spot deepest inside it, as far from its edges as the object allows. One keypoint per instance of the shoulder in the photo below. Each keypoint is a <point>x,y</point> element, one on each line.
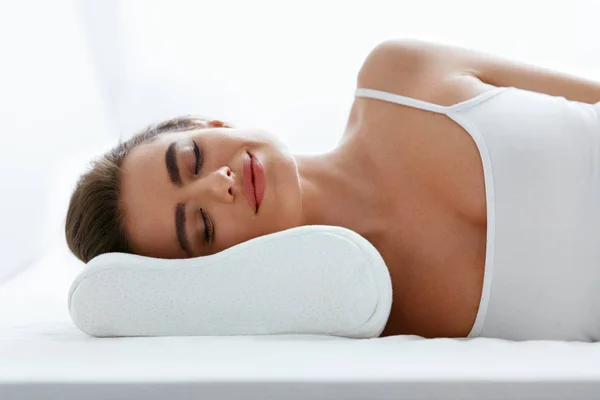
<point>403,53</point>
<point>400,60</point>
<point>419,69</point>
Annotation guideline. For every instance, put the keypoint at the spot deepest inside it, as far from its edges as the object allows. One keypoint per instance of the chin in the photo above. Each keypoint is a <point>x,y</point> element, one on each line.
<point>282,203</point>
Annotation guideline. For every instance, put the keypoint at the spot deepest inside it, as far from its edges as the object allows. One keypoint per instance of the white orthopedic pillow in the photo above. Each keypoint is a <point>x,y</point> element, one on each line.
<point>323,280</point>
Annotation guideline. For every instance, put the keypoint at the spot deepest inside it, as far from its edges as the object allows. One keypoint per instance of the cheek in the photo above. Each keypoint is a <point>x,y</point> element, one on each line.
<point>231,233</point>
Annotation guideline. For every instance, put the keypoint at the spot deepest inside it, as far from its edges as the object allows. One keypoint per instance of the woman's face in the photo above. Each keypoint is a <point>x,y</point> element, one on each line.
<point>188,194</point>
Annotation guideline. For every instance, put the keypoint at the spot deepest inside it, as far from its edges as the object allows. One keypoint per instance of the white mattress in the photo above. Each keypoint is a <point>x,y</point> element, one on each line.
<point>43,355</point>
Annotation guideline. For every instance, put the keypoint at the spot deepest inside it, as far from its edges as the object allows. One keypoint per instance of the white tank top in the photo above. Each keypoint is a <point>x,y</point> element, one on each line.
<point>541,165</point>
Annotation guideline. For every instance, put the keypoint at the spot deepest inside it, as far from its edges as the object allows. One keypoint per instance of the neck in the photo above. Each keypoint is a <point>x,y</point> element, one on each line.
<point>338,188</point>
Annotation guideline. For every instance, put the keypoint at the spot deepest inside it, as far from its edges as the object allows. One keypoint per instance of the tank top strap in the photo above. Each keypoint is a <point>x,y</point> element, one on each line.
<point>399,99</point>
<point>424,105</point>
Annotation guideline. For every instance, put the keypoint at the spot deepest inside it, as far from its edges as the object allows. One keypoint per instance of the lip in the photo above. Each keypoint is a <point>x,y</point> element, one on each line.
<point>247,182</point>
<point>260,183</point>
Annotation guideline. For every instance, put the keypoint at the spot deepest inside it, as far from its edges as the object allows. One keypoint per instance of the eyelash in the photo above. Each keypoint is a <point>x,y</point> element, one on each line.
<point>208,228</point>
<point>198,158</point>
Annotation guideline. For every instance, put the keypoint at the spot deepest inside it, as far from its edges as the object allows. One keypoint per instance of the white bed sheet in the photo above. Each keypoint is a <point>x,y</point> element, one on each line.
<point>43,355</point>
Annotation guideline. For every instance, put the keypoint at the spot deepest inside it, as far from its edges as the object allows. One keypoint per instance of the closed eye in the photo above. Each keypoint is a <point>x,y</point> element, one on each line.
<point>198,158</point>
<point>208,228</point>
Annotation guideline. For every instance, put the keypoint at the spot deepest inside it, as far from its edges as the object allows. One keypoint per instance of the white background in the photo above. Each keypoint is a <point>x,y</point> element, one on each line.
<point>77,75</point>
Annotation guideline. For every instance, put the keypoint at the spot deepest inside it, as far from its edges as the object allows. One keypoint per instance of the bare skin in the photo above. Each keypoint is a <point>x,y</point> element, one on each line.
<point>409,181</point>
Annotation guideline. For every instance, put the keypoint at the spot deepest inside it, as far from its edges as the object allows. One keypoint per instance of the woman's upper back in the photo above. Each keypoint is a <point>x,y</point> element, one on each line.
<point>516,270</point>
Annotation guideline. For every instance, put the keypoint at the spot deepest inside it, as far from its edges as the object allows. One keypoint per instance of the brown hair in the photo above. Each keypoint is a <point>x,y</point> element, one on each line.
<point>94,223</point>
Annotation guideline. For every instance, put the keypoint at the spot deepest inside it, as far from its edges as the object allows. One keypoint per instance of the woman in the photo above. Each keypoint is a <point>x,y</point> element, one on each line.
<point>476,178</point>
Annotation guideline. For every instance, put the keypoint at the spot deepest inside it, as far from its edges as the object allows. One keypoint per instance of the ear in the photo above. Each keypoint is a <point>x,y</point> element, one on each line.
<point>215,123</point>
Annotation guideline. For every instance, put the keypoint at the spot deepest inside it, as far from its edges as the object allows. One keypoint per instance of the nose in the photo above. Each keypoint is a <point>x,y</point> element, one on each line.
<point>220,184</point>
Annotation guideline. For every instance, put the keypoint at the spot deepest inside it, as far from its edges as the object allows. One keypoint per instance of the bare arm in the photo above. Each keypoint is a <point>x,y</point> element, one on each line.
<point>425,58</point>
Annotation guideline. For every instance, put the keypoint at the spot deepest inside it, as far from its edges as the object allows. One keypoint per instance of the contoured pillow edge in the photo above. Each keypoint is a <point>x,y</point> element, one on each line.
<point>319,279</point>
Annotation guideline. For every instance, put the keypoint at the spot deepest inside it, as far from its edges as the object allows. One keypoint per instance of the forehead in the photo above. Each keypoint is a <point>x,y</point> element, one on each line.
<point>148,200</point>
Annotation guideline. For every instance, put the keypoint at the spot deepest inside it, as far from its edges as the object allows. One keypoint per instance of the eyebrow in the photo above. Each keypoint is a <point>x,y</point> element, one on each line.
<point>180,228</point>
<point>171,163</point>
